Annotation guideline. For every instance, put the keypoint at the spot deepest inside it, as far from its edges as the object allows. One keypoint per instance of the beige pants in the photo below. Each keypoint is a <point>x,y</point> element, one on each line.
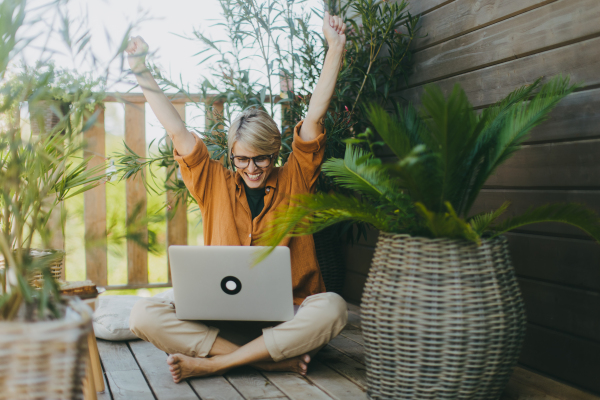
<point>319,319</point>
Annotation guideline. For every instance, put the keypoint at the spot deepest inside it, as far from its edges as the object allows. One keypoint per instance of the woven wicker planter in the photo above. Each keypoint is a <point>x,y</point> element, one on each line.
<point>43,118</point>
<point>442,319</point>
<point>328,246</point>
<point>56,266</point>
<point>45,360</point>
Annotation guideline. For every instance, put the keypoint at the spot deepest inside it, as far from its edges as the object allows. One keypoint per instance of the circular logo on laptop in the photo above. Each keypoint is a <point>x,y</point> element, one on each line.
<point>231,285</point>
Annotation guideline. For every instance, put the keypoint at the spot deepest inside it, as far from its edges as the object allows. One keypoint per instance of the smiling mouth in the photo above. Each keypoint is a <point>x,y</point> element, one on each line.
<point>254,177</point>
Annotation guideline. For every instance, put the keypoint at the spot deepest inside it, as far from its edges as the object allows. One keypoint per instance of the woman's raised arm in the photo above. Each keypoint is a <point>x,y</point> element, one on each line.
<point>182,139</point>
<point>333,29</point>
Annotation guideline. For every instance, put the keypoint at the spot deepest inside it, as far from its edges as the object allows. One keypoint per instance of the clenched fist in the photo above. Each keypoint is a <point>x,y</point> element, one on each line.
<point>137,49</point>
<point>333,29</point>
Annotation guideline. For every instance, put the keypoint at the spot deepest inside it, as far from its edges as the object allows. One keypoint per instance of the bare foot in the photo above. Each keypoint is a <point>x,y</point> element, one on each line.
<point>297,364</point>
<point>183,367</point>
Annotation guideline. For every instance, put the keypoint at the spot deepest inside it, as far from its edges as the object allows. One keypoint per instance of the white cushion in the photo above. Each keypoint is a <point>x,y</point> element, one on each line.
<point>111,318</point>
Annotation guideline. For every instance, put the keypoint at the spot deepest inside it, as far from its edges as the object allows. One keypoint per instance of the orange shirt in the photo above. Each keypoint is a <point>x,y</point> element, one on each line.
<point>226,215</point>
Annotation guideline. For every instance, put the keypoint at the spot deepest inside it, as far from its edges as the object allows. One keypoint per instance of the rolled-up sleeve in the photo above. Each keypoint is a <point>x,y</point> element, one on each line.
<point>306,157</point>
<point>195,169</point>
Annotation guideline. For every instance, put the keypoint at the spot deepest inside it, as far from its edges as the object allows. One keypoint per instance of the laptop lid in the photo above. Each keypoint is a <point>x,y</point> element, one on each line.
<point>218,283</point>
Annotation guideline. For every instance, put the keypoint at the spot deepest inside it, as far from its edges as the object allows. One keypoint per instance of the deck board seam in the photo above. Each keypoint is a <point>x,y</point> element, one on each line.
<point>142,371</point>
<point>106,382</point>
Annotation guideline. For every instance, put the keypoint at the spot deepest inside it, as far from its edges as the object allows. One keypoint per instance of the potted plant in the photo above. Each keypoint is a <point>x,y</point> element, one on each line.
<point>43,338</point>
<point>442,312</point>
<point>43,341</point>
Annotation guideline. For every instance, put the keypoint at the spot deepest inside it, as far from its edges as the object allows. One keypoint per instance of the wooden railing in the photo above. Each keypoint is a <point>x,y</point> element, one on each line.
<point>136,200</point>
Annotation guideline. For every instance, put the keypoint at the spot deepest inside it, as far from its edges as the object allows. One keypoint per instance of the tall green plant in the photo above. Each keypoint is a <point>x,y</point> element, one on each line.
<point>446,152</point>
<point>38,173</point>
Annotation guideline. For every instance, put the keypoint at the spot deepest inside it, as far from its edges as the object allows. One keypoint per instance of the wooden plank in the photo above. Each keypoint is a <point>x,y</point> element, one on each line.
<point>552,165</point>
<point>554,25</point>
<point>577,116</point>
<point>153,363</point>
<point>252,385</point>
<point>488,85</point>
<point>573,359</point>
<point>426,6</point>
<point>140,286</point>
<point>558,260</point>
<point>351,369</point>
<point>353,334</point>
<point>334,384</point>
<point>348,347</point>
<point>521,200</point>
<point>124,377</point>
<point>214,388</point>
<point>115,97</point>
<point>565,309</point>
<point>104,395</point>
<point>526,384</point>
<point>177,224</point>
<point>295,386</point>
<point>353,286</point>
<point>463,16</point>
<point>135,137</point>
<point>94,207</point>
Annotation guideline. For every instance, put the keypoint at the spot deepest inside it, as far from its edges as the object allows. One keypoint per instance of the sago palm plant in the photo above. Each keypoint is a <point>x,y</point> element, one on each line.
<point>446,151</point>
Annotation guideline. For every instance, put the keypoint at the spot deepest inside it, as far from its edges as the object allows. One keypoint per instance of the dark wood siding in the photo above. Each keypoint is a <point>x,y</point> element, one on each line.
<point>491,47</point>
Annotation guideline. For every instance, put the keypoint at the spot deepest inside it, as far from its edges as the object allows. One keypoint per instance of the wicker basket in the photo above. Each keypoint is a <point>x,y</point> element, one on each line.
<point>45,360</point>
<point>328,246</point>
<point>42,117</point>
<point>442,319</point>
<point>56,265</point>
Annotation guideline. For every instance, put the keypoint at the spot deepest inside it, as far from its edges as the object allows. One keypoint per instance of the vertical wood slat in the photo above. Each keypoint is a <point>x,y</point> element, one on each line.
<point>177,229</point>
<point>94,207</point>
<point>136,203</point>
<point>211,115</point>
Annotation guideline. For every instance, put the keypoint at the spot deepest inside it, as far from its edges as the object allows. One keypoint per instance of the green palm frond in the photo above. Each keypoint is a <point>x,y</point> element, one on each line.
<point>308,214</point>
<point>481,222</point>
<point>390,129</point>
<point>354,172</point>
<point>512,129</point>
<point>448,224</point>
<point>569,213</point>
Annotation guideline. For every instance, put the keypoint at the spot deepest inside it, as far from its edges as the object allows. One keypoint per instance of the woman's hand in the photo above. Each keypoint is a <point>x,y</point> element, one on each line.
<point>334,30</point>
<point>136,50</point>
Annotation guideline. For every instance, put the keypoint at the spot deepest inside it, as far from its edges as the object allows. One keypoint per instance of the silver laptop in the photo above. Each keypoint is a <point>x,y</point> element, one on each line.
<point>218,283</point>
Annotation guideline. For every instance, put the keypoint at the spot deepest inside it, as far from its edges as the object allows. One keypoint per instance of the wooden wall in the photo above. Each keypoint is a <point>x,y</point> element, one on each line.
<point>492,47</point>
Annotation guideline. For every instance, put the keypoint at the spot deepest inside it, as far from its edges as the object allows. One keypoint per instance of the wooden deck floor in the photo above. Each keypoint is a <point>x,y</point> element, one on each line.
<point>138,370</point>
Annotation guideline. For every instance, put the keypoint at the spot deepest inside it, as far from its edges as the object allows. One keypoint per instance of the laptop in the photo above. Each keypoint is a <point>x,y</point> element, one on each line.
<point>218,283</point>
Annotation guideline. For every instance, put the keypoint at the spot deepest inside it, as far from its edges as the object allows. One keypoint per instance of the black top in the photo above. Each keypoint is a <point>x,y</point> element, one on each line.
<point>256,200</point>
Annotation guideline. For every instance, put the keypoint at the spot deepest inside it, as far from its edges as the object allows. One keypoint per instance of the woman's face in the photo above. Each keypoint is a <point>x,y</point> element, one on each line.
<point>255,178</point>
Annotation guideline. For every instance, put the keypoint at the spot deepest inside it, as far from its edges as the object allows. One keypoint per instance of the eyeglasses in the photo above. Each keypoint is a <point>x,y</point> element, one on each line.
<point>259,161</point>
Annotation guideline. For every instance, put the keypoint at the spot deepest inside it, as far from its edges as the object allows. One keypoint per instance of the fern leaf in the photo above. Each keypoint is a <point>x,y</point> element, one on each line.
<point>308,214</point>
<point>448,224</point>
<point>481,222</point>
<point>574,214</point>
<point>355,175</point>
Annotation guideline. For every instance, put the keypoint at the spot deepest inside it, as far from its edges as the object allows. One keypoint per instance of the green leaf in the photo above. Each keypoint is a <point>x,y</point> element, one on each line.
<point>355,175</point>
<point>481,222</point>
<point>574,214</point>
<point>448,224</point>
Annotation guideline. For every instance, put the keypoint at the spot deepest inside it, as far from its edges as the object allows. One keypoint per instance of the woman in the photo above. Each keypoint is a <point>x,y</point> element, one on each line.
<point>236,208</point>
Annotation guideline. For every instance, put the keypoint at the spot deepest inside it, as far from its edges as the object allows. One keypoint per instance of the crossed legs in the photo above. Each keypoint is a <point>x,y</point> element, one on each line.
<point>196,349</point>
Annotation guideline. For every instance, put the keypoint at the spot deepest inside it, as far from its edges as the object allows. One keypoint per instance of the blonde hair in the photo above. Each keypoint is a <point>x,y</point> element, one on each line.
<point>256,129</point>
